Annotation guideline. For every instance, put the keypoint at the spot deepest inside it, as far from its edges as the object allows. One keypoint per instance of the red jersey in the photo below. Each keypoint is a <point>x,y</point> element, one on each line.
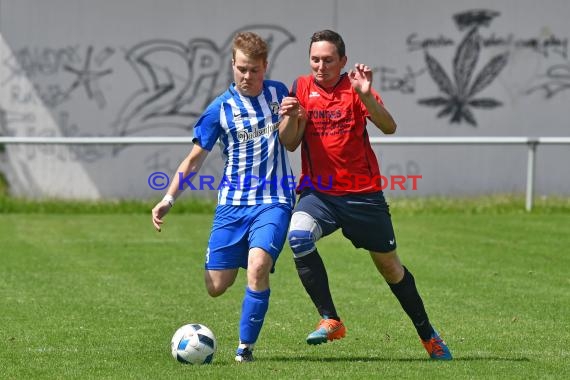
<point>336,155</point>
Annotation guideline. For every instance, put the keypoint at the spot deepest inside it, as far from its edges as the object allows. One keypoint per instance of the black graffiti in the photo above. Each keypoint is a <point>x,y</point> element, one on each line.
<point>458,95</point>
<point>414,42</point>
<point>89,78</point>
<point>31,62</point>
<point>27,65</point>
<point>392,80</point>
<point>557,79</point>
<point>50,96</point>
<point>544,45</point>
<point>457,91</point>
<point>177,80</point>
<point>474,18</point>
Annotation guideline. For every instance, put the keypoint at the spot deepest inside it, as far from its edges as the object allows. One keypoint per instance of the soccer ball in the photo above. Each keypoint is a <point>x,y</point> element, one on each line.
<point>193,343</point>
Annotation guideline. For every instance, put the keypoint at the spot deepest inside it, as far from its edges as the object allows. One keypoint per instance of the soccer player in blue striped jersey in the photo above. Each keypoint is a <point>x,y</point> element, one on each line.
<point>251,121</point>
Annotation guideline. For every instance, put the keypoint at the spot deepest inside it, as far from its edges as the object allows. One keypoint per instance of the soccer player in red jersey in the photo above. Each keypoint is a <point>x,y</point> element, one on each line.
<point>336,156</point>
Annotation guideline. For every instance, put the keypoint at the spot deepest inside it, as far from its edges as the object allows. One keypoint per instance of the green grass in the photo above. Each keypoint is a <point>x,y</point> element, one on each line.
<point>99,295</point>
<point>491,204</point>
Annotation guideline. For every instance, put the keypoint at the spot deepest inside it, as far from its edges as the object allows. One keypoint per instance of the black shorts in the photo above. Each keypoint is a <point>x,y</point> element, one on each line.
<point>363,218</point>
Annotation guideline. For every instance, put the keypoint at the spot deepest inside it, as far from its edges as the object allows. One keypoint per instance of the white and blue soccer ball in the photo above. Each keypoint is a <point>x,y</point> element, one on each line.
<point>193,343</point>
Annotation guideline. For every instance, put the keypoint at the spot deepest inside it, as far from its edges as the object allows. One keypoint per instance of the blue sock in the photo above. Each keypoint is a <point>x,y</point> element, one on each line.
<point>253,310</point>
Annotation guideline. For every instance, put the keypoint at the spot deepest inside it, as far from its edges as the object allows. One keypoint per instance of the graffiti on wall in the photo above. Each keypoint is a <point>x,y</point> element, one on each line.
<point>161,86</point>
<point>55,74</point>
<point>460,90</point>
<point>174,82</point>
<point>88,75</point>
<point>177,81</point>
<point>555,80</point>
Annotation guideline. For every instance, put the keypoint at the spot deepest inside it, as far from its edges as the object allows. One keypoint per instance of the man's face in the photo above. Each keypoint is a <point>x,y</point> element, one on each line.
<point>248,74</point>
<point>326,64</point>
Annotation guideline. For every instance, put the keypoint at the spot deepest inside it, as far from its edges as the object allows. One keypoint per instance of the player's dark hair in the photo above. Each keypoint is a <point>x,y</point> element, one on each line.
<point>251,44</point>
<point>329,36</point>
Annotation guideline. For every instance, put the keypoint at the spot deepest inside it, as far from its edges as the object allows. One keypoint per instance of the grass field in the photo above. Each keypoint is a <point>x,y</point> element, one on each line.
<point>98,295</point>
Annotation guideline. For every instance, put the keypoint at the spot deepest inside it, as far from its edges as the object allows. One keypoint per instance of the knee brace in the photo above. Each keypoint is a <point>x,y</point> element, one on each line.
<point>304,231</point>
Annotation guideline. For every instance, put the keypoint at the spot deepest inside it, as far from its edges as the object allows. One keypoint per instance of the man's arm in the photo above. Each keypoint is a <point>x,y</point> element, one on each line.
<point>379,115</point>
<point>292,124</point>
<point>191,164</point>
<point>361,80</point>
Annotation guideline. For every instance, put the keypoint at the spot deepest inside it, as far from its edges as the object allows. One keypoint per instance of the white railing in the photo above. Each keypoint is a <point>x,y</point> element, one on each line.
<point>530,142</point>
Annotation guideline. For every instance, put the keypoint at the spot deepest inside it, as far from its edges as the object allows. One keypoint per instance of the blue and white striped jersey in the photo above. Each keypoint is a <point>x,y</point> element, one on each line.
<point>257,168</point>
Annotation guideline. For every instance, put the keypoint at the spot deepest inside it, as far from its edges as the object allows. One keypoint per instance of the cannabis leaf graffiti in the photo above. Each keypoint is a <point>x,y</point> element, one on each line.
<point>459,97</point>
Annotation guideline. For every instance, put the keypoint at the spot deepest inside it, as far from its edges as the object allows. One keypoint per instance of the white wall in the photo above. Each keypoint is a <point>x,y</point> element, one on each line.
<point>149,67</point>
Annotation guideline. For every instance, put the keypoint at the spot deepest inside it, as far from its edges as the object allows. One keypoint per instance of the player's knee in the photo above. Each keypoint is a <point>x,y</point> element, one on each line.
<point>389,266</point>
<point>258,269</point>
<point>215,290</point>
<point>304,231</point>
<point>301,242</point>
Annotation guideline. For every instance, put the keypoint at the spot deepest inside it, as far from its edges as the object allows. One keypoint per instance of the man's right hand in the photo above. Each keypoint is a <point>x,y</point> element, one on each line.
<point>158,212</point>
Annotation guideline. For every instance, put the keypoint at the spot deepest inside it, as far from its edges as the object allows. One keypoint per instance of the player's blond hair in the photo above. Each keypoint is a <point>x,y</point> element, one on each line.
<point>251,44</point>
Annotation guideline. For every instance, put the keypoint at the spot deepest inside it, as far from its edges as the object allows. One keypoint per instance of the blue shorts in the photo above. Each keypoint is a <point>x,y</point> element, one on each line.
<point>364,218</point>
<point>237,229</point>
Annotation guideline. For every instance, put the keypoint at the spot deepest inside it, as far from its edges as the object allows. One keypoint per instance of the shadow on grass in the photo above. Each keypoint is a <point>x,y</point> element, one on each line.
<point>368,359</point>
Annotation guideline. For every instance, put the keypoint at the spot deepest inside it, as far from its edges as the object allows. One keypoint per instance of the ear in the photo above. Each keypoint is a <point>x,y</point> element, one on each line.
<point>343,61</point>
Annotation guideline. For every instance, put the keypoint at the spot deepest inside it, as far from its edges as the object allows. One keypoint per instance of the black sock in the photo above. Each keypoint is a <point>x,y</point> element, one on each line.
<point>407,293</point>
<point>313,275</point>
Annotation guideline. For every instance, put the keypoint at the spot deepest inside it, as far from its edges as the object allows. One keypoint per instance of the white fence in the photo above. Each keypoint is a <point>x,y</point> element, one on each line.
<point>530,142</point>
